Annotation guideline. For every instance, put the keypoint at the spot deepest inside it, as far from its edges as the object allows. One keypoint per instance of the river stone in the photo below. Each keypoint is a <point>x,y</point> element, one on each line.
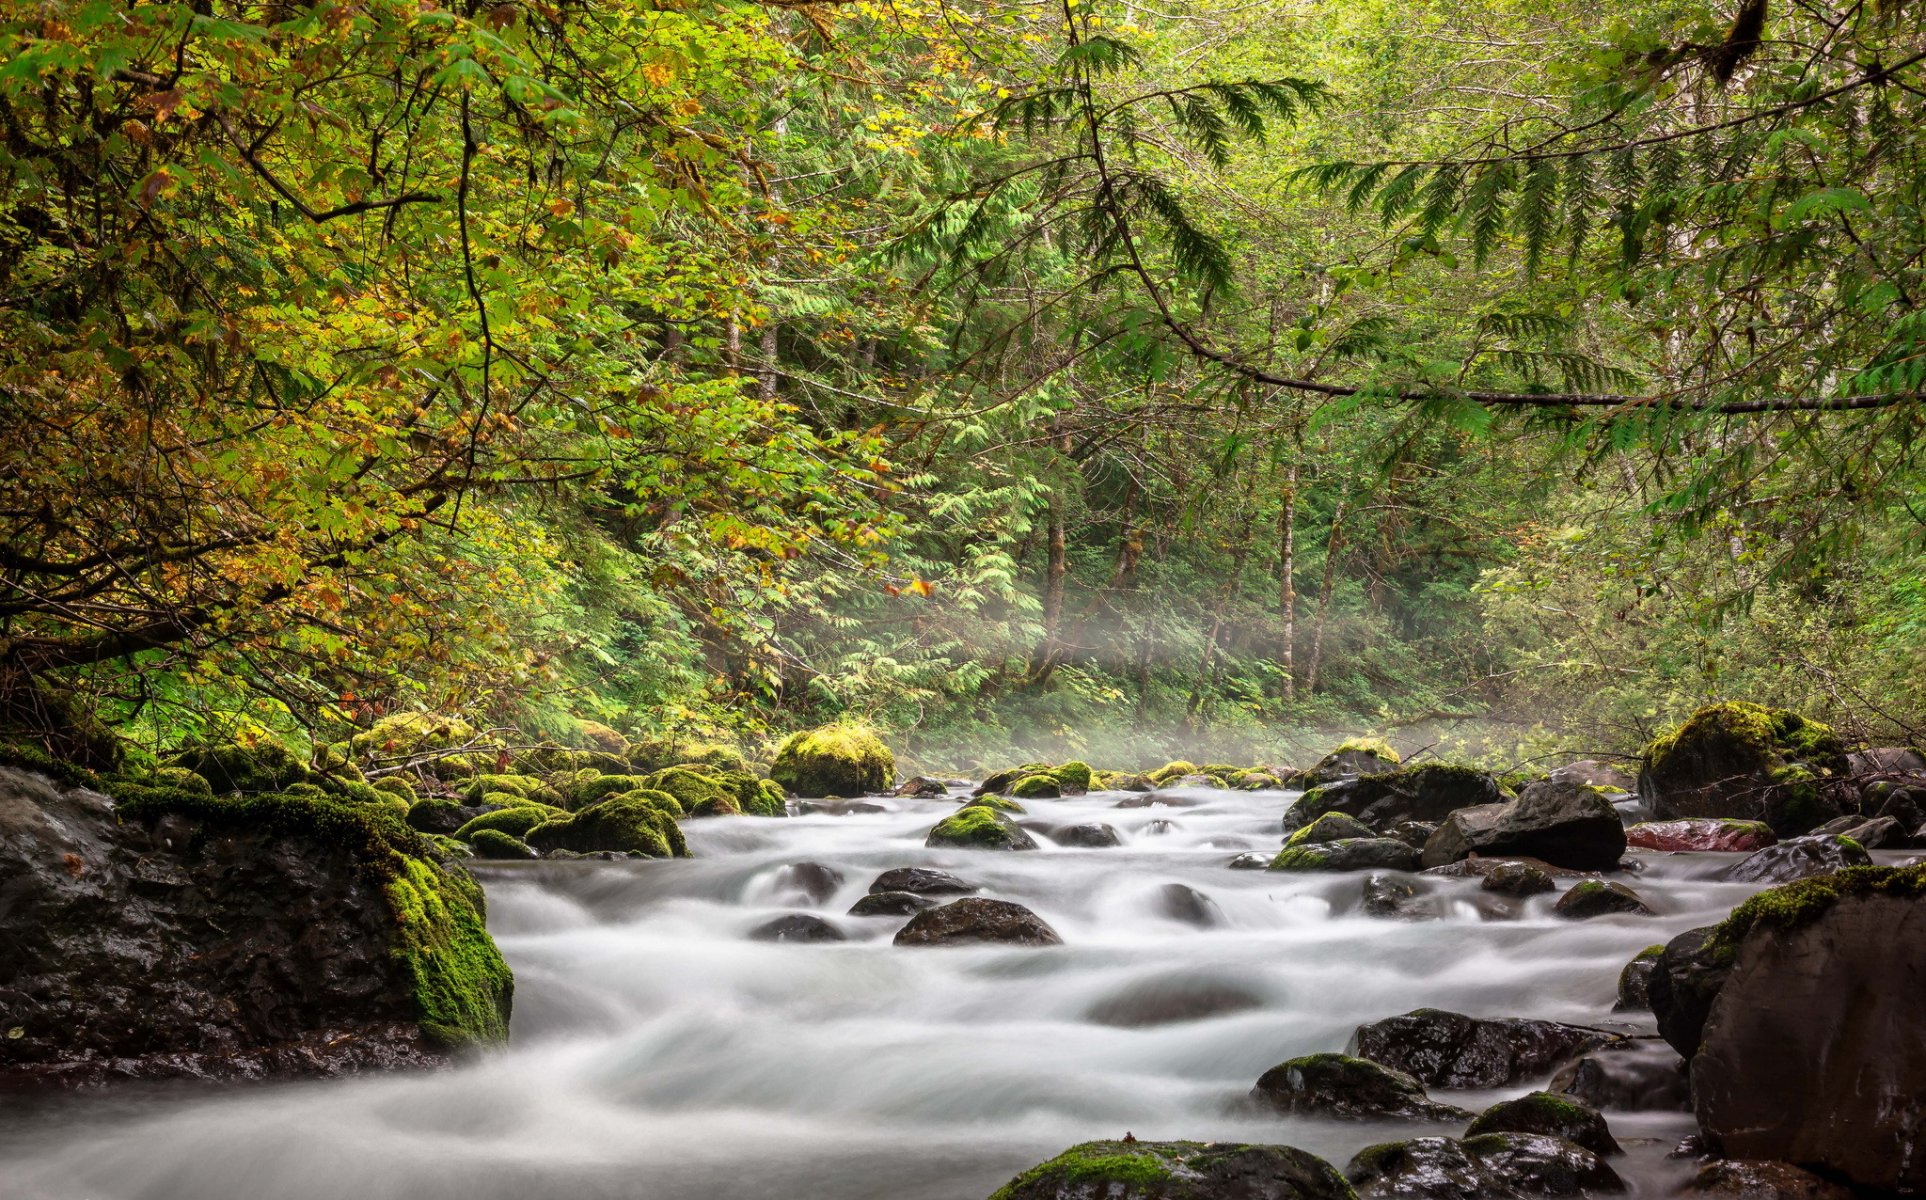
<point>1347,763</point>
<point>1171,1000</point>
<point>1517,879</point>
<point>1746,761</point>
<point>1348,854</point>
<point>813,880</point>
<point>1183,903</point>
<point>1413,833</point>
<point>1799,858</point>
<point>1634,981</point>
<point>1871,832</point>
<point>240,940</point>
<point>1250,861</point>
<point>1701,833</point>
<point>977,828</point>
<point>1447,1049</point>
<point>891,904</point>
<point>919,787</point>
<point>1742,1179</point>
<point>797,927</point>
<point>1550,1115</point>
<point>1178,1171</point>
<point>924,881</point>
<point>1561,822</point>
<point>1593,773</point>
<point>1683,983</point>
<point>1632,1075</point>
<point>1492,1166</point>
<point>974,919</point>
<point>1335,1085</point>
<point>1094,836</point>
<point>1481,868</point>
<point>1814,1052</point>
<point>1391,896</point>
<point>1329,828</point>
<point>1597,898</point>
<point>1427,793</point>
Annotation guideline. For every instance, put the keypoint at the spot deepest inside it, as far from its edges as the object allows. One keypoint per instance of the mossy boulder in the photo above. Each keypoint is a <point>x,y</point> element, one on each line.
<point>259,766</point>
<point>527,786</point>
<point>1348,854</point>
<point>399,786</point>
<point>597,736</point>
<point>1171,772</point>
<point>626,824</point>
<point>699,795</point>
<point>1354,757</point>
<point>1134,1170</point>
<point>1430,793</point>
<point>1075,776</point>
<point>977,828</point>
<point>997,803</point>
<point>403,735</point>
<point>1000,782</point>
<point>1748,762</point>
<point>1336,1085</point>
<point>589,786</point>
<point>834,761</point>
<point>515,822</point>
<point>1035,787</point>
<point>1329,828</point>
<point>1550,1115</point>
<point>498,844</point>
<point>755,796</point>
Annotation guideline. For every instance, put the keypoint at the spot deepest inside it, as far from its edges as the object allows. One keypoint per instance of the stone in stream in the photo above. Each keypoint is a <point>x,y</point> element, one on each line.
<point>1747,761</point>
<point>1348,854</point>
<point>1357,757</point>
<point>797,927</point>
<point>919,787</point>
<point>813,880</point>
<point>1561,822</point>
<point>1799,858</point>
<point>1701,833</point>
<point>1427,793</point>
<point>924,881</point>
<point>1390,896</point>
<point>1182,903</point>
<point>1590,898</point>
<point>974,920</point>
<point>1447,1049</point>
<point>1550,1115</point>
<point>1516,879</point>
<point>1491,1166</point>
<point>1684,981</point>
<point>833,761</point>
<point>1813,1051</point>
<point>1158,800</point>
<point>1093,836</point>
<point>1640,1074</point>
<point>977,828</point>
<point>1178,1171</point>
<point>1482,868</point>
<point>1329,828</point>
<point>1634,981</point>
<point>1743,1179</point>
<point>1172,1000</point>
<point>891,904</point>
<point>1336,1085</point>
<point>1249,861</point>
<point>1413,833</point>
<point>1871,832</point>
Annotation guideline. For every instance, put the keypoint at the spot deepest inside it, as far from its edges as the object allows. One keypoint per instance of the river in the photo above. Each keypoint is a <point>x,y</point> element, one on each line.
<point>660,1054</point>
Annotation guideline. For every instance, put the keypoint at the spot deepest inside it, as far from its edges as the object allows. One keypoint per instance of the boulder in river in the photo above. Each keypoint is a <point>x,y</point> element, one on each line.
<point>1250,860</point>
<point>797,927</point>
<point>977,828</point>
<point>1517,879</point>
<point>1634,981</point>
<point>1393,896</point>
<point>1336,1085</point>
<point>1413,833</point>
<point>1356,757</point>
<point>1134,1170</point>
<point>1491,1166</point>
<point>1484,868</point>
<point>628,823</point>
<point>1798,858</point>
<point>1590,898</point>
<point>1561,822</point>
<point>1329,828</point>
<point>891,904</point>
<point>1348,854</point>
<point>974,919</point>
<point>1430,792</point>
<point>924,881</point>
<point>168,932</point>
<point>811,879</point>
<point>1747,761</point>
<point>920,787</point>
<point>1873,833</point>
<point>1751,1179</point>
<point>1093,836</point>
<point>834,760</point>
<point>1171,1000</point>
<point>1813,1051</point>
<point>1447,1049</point>
<point>1551,1115</point>
<point>1701,833</point>
<point>1181,902</point>
<point>1640,1074</point>
<point>1684,981</point>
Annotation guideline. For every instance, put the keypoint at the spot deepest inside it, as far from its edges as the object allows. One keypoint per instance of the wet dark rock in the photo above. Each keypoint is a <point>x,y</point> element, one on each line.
<point>1631,1075</point>
<point>1517,879</point>
<point>1171,1000</point>
<point>1179,1171</point>
<point>1550,1115</point>
<point>1346,762</point>
<point>1480,868</point>
<point>1158,800</point>
<point>1593,773</point>
<point>1634,982</point>
<point>1335,1085</point>
<point>924,881</point>
<point>838,808</point>
<point>921,788</point>
<point>1187,904</point>
<point>1701,833</point>
<point>1590,898</point>
<point>891,904</point>
<point>1391,896</point>
<point>1750,1179</point>
<point>973,920</point>
<point>813,880</point>
<point>1492,1166</point>
<point>1799,858</point>
<point>159,939</point>
<point>1348,854</point>
<point>1250,861</point>
<point>1329,828</point>
<point>1813,1051</point>
<point>1447,1049</point>
<point>1427,793</point>
<point>1413,833</point>
<point>1682,985</point>
<point>797,927</point>
<point>1873,833</point>
<point>1746,761</point>
<point>1563,823</point>
<point>442,816</point>
<point>1094,836</point>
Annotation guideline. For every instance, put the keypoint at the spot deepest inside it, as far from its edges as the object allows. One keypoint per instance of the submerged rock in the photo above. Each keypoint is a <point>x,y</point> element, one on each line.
<point>797,927</point>
<point>1563,823</point>
<point>1348,854</point>
<point>1134,1170</point>
<point>1447,1049</point>
<point>1701,833</point>
<point>1492,1166</point>
<point>1171,1000</point>
<point>1597,898</point>
<point>1748,1179</point>
<point>1336,1085</point>
<point>1250,860</point>
<point>1094,836</point>
<point>1390,896</point>
<point>1180,902</point>
<point>924,881</point>
<point>1517,879</point>
<point>1746,761</point>
<point>170,933</point>
<point>1799,858</point>
<point>813,880</point>
<point>978,828</point>
<point>891,904</point>
<point>974,919</point>
<point>1631,1075</point>
<point>1551,1115</point>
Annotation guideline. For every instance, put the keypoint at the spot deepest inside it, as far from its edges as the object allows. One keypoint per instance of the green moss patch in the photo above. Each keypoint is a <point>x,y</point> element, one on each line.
<point>1792,905</point>
<point>835,760</point>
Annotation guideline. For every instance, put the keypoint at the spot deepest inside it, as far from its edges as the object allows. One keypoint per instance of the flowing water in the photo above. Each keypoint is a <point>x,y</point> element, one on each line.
<point>660,1054</point>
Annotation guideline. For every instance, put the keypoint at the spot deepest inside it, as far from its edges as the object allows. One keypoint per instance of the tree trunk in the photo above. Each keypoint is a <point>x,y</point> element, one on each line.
<point>1056,570</point>
<point>1331,547</point>
<point>1287,584</point>
<point>1207,666</point>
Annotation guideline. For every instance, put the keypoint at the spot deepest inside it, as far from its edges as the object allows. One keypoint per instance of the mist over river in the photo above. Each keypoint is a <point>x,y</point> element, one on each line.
<point>657,1052</point>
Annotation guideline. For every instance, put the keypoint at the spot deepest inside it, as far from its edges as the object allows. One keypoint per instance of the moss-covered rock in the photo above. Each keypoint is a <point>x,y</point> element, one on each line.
<point>754,796</point>
<point>835,760</point>
<point>590,786</point>
<point>1134,1170</point>
<point>261,766</point>
<point>1074,775</point>
<point>1430,793</point>
<point>1329,828</point>
<point>1549,1115</point>
<point>1000,782</point>
<point>997,803</point>
<point>401,735</point>
<point>515,822</point>
<point>977,828</point>
<point>1336,1085</point>
<point>397,785</point>
<point>497,844</point>
<point>597,736</point>
<point>1041,786</point>
<point>625,824</point>
<point>438,816</point>
<point>699,795</point>
<point>1745,761</point>
<point>526,786</point>
<point>1173,771</point>
<point>1348,854</point>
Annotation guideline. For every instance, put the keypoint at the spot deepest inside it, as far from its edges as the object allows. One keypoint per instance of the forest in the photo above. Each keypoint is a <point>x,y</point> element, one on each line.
<point>717,599</point>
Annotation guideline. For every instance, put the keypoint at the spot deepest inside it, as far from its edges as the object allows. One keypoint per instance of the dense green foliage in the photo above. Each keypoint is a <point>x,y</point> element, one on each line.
<point>993,375</point>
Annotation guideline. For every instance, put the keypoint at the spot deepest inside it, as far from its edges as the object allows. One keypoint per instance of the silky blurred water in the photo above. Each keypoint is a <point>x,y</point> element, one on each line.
<point>659,1053</point>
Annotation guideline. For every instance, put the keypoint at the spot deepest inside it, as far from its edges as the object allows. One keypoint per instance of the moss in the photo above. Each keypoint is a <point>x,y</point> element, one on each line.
<point>1132,1166</point>
<point>404,734</point>
<point>1173,770</point>
<point>1650,952</point>
<point>661,799</point>
<point>424,812</point>
<point>975,826</point>
<point>835,760</point>
<point>758,797</point>
<point>262,766</point>
<point>396,785</point>
<point>1301,858</point>
<point>775,801</point>
<point>1329,828</point>
<point>997,803</point>
<point>1376,747</point>
<point>598,736</point>
<point>516,822</point>
<point>625,824</point>
<point>1032,787</point>
<point>494,843</point>
<point>521,785</point>
<point>1000,782</point>
<point>180,777</point>
<point>1792,905</point>
<point>699,795</point>
<point>1074,774</point>
<point>586,790</point>
<point>26,756</point>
